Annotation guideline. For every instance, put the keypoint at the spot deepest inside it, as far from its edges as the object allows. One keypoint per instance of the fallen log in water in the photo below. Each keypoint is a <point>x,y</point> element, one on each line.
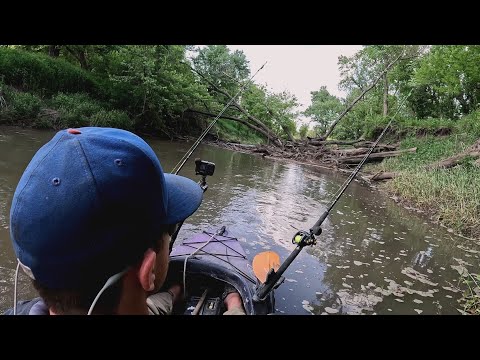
<point>375,156</point>
<point>362,150</point>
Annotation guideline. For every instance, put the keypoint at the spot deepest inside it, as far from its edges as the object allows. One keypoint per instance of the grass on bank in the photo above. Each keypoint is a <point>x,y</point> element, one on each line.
<point>471,295</point>
<point>452,195</point>
<point>58,112</point>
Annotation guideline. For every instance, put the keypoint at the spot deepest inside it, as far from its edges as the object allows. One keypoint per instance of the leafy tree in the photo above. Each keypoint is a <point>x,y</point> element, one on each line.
<point>450,74</point>
<point>361,69</point>
<point>161,84</point>
<point>324,108</point>
<point>224,69</point>
<point>282,107</point>
<point>225,72</point>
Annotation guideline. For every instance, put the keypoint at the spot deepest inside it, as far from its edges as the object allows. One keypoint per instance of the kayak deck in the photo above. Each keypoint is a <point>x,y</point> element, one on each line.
<point>211,261</point>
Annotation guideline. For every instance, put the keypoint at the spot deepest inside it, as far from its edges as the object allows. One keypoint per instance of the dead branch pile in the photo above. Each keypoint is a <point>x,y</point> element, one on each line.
<point>335,154</point>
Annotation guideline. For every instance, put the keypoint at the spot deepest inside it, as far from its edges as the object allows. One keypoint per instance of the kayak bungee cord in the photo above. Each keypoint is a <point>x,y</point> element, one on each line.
<point>187,155</point>
<point>304,238</point>
<point>193,253</point>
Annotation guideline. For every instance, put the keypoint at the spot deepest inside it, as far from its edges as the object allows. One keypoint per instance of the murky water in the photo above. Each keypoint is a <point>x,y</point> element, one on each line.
<point>373,257</point>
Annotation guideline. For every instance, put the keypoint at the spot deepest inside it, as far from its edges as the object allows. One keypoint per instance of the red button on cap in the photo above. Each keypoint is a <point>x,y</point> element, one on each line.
<point>74,131</point>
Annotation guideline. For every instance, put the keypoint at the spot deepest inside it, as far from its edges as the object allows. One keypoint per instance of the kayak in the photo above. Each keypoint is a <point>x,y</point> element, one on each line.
<point>209,263</point>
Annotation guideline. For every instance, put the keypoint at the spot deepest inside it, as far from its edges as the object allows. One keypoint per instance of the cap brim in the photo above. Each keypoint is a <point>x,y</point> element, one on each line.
<point>184,198</point>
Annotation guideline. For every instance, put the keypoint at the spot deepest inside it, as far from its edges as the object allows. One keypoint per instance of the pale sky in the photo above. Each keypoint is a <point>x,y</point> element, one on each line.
<point>297,68</point>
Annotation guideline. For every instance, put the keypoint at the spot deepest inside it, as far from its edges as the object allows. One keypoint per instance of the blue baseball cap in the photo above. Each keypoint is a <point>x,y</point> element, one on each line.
<point>90,203</point>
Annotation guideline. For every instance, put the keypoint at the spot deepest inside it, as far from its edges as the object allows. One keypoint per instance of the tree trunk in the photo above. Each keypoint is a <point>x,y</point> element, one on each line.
<point>360,143</point>
<point>361,150</point>
<point>289,134</point>
<point>80,55</point>
<point>385,95</point>
<point>53,50</point>
<point>473,151</point>
<point>361,96</point>
<point>83,60</point>
<point>453,161</point>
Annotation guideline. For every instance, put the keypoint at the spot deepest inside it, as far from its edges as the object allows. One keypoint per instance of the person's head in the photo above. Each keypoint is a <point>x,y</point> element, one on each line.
<point>92,203</point>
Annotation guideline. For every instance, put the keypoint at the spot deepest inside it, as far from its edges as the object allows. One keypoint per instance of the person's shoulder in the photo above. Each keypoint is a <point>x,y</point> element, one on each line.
<point>34,306</point>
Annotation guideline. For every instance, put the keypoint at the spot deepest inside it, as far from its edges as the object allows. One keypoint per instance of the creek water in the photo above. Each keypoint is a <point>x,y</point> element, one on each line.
<point>373,257</point>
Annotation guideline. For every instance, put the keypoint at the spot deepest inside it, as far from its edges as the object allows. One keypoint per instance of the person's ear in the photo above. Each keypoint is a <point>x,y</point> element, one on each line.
<point>146,273</point>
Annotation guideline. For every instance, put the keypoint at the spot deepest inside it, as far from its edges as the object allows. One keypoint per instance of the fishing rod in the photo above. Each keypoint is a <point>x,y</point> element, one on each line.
<point>204,168</point>
<point>307,238</point>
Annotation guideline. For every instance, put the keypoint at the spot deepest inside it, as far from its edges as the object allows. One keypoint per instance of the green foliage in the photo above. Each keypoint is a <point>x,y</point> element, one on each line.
<point>452,74</point>
<point>221,67</point>
<point>25,105</point>
<point>80,103</point>
<point>404,127</point>
<point>363,68</point>
<point>112,118</point>
<point>303,131</point>
<point>153,83</point>
<point>429,149</point>
<point>276,110</point>
<point>324,109</point>
<point>254,100</point>
<point>452,195</point>
<point>227,71</point>
<point>352,126</point>
<point>149,87</point>
<point>282,109</point>
<point>42,74</point>
<point>76,110</point>
<point>469,124</point>
<point>232,131</point>
<point>18,107</point>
